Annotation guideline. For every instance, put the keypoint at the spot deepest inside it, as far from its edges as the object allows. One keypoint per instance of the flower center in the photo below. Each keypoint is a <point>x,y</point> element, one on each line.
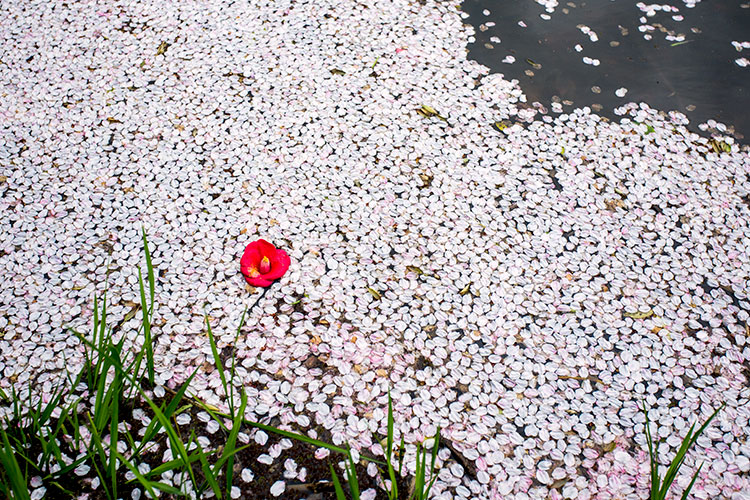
<point>252,272</point>
<point>265,265</point>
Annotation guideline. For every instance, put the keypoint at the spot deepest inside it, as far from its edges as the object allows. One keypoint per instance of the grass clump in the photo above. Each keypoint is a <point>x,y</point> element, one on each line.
<point>660,486</point>
<point>90,419</point>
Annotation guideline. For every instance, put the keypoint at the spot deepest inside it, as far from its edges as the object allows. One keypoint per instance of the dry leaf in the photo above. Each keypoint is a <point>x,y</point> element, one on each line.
<point>613,205</point>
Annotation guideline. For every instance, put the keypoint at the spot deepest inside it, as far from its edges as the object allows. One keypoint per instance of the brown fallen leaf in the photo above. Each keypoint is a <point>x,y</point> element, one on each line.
<point>613,205</point>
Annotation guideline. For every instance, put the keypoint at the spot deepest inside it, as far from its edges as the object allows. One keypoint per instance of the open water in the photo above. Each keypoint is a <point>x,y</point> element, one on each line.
<point>689,64</point>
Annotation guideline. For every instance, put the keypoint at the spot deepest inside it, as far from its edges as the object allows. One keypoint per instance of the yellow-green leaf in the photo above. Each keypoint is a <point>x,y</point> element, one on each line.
<point>429,110</point>
<point>500,125</point>
<point>414,269</point>
<point>639,314</point>
<point>374,293</point>
<point>163,46</point>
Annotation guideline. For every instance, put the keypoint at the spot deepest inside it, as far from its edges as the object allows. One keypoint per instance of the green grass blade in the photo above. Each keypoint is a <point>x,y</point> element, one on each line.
<point>653,462</point>
<point>433,477</point>
<point>54,403</point>
<point>215,414</point>
<point>149,268</point>
<point>418,474</point>
<point>401,455</point>
<point>389,438</point>
<point>222,460</point>
<point>300,437</point>
<point>659,488</point>
<point>171,465</point>
<point>692,482</point>
<point>706,424</point>
<point>230,396</point>
<point>229,448</point>
<point>337,484</point>
<point>142,480</point>
<point>351,475</point>
<point>208,473</point>
<point>154,425</point>
<point>103,327</point>
<point>393,492</point>
<point>146,322</point>
<point>687,443</point>
<point>674,467</point>
<point>174,438</point>
<point>219,365</point>
<point>147,340</point>
<point>96,440</point>
<point>114,435</point>
<point>16,478</point>
<point>89,354</point>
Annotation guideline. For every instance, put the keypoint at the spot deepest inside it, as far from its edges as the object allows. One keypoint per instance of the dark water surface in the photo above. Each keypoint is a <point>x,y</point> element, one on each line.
<point>697,76</point>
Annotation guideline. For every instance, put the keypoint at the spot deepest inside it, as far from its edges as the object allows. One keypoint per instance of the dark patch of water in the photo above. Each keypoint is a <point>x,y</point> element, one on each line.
<point>697,76</point>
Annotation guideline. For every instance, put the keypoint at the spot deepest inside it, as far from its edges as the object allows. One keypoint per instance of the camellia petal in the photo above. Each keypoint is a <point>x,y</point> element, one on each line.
<point>266,249</point>
<point>251,257</point>
<point>259,281</point>
<point>280,263</point>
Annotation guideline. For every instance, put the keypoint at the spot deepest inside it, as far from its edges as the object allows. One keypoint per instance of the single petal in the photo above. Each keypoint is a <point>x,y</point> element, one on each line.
<point>251,256</point>
<point>266,249</point>
<point>259,281</point>
<point>280,263</point>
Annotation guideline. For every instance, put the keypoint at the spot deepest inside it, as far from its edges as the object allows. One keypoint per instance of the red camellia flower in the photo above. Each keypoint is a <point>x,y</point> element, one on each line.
<point>262,263</point>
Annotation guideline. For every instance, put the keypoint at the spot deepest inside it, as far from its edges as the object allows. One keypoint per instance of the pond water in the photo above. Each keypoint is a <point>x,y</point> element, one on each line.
<point>694,61</point>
